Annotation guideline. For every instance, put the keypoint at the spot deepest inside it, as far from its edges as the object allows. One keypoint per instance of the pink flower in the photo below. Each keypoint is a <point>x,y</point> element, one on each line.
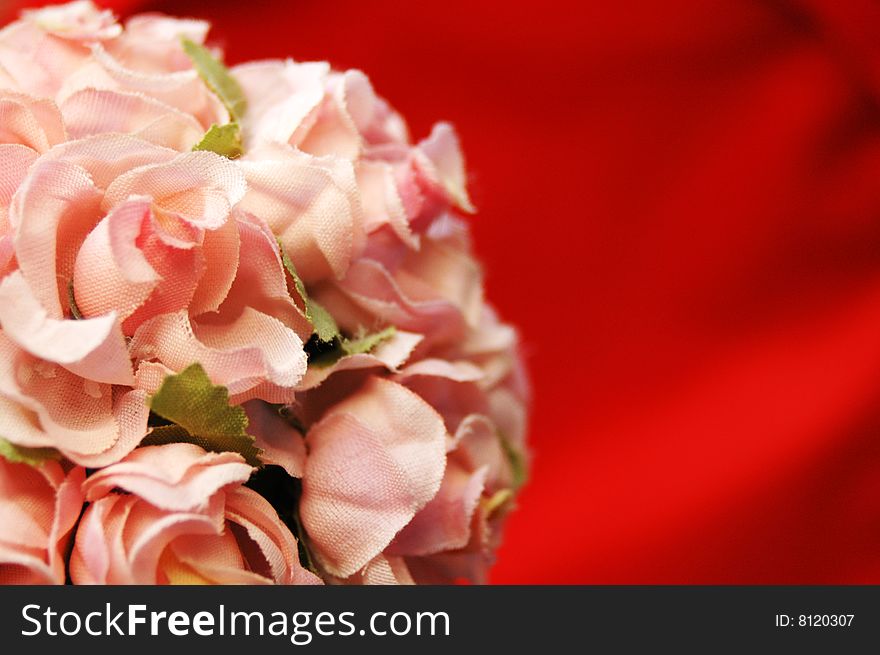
<point>474,398</point>
<point>38,52</point>
<point>375,459</point>
<point>317,269</point>
<point>184,519</point>
<point>38,509</point>
<point>151,246</point>
<point>76,21</point>
<point>350,152</point>
<point>435,290</point>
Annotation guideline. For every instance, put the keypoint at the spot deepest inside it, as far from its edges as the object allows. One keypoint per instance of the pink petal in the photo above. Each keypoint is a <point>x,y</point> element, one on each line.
<point>382,570</point>
<point>267,391</point>
<point>130,413</point>
<point>440,158</point>
<point>173,477</point>
<point>369,285</point>
<point>19,159</point>
<point>376,121</point>
<point>55,208</point>
<point>38,508</point>
<point>97,537</point>
<point>509,413</point>
<point>180,89</point>
<point>453,400</point>
<point>457,371</point>
<point>374,461</point>
<point>45,405</point>
<point>27,503</point>
<point>32,122</point>
<point>355,496</point>
<point>445,522</point>
<point>230,354</point>
<point>260,280</point>
<point>151,43</point>
<point>215,557</point>
<point>91,348</point>
<point>276,543</point>
<point>121,539</point>
<point>19,567</point>
<point>149,531</point>
<point>333,131</point>
<point>444,269</point>
<point>38,62</point>
<point>201,187</point>
<point>220,253</point>
<point>311,205</point>
<point>381,201</point>
<point>78,21</point>
<point>477,443</point>
<point>282,95</point>
<point>111,273</point>
<point>68,507</point>
<point>179,264</point>
<point>94,111</point>
<point>144,30</point>
<point>282,444</point>
<point>107,156</point>
<point>411,430</point>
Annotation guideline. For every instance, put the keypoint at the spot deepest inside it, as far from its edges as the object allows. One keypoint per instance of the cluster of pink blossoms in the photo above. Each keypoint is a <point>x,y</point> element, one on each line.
<point>242,333</point>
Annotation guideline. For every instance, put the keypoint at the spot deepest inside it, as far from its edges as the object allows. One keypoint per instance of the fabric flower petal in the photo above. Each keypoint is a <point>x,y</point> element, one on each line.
<point>175,477</point>
<point>95,111</point>
<point>445,522</point>
<point>228,353</point>
<point>201,187</point>
<point>38,509</point>
<point>311,204</point>
<point>374,461</point>
<point>92,348</point>
<point>28,121</point>
<point>281,443</point>
<point>440,158</point>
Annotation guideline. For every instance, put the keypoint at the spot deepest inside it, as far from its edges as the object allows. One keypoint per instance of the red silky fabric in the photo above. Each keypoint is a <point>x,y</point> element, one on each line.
<point>680,207</point>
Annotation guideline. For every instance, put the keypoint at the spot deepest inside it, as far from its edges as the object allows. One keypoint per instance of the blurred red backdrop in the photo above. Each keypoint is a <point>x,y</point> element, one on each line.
<point>680,208</point>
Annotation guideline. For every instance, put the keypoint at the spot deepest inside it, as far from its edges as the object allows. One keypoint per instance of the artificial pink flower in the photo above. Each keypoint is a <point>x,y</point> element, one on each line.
<point>375,459</point>
<point>315,266</point>
<point>184,518</point>
<point>38,509</point>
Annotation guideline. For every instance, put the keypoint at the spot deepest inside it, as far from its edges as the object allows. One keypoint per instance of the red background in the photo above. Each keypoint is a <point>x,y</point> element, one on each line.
<point>680,208</point>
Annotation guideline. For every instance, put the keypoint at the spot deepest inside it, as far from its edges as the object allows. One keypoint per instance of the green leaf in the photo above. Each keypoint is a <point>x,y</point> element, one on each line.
<point>297,281</point>
<point>366,343</point>
<point>30,456</point>
<point>497,500</point>
<point>218,78</point>
<point>202,414</point>
<point>341,346</point>
<point>223,139</point>
<point>517,462</point>
<point>71,300</point>
<point>322,321</point>
<point>324,324</point>
<point>166,434</point>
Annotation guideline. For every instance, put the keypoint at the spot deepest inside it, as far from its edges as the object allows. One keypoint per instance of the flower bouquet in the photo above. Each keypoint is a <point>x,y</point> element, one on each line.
<point>242,333</point>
